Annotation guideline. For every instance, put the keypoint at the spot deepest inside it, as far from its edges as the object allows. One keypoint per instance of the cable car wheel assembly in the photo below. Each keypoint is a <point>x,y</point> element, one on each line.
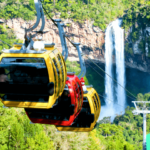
<point>37,80</point>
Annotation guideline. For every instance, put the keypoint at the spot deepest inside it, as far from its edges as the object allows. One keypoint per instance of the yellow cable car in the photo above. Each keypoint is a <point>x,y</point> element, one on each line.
<point>89,114</point>
<point>35,80</point>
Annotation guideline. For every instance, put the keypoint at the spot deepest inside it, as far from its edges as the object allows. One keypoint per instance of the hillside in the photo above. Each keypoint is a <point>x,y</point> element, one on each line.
<point>100,12</point>
<point>16,133</point>
<point>124,133</point>
<point>137,35</point>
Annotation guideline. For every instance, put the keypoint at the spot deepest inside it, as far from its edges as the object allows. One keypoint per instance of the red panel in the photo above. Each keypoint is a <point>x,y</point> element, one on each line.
<point>51,116</point>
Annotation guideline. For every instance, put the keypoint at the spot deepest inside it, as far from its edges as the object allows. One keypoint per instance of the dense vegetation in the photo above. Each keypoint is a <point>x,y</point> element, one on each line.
<point>137,18</point>
<point>124,133</point>
<point>132,124</point>
<point>7,35</point>
<point>102,12</point>
<point>17,133</point>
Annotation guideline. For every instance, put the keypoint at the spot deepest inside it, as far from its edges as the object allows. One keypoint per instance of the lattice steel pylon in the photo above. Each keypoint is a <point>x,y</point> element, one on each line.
<point>144,110</point>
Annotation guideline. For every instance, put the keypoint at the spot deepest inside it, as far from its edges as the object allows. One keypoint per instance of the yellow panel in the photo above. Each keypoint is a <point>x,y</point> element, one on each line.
<point>64,71</point>
<point>52,99</point>
<point>73,129</point>
<point>60,85</point>
<point>52,56</point>
<point>49,48</point>
<point>99,105</point>
<point>16,48</point>
<point>25,104</point>
<point>96,113</point>
<point>50,65</point>
<point>60,76</point>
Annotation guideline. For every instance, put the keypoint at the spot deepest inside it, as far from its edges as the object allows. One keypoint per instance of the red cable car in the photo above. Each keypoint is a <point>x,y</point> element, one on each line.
<point>66,108</point>
<point>87,119</point>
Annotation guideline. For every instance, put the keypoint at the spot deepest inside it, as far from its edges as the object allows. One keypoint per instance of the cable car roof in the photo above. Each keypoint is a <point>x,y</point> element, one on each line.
<point>17,49</point>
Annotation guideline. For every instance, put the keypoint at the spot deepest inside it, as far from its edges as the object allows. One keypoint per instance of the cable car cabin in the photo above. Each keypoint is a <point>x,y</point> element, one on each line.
<point>89,114</point>
<point>66,108</point>
<point>34,80</point>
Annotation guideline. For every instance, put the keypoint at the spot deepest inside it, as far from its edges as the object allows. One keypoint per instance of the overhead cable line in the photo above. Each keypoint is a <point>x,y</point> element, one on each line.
<point>5,43</point>
<point>111,77</point>
<point>49,16</point>
<point>104,78</point>
<point>94,70</point>
<point>110,100</point>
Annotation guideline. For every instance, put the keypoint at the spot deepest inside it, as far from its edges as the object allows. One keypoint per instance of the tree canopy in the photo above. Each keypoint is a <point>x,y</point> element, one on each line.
<point>101,12</point>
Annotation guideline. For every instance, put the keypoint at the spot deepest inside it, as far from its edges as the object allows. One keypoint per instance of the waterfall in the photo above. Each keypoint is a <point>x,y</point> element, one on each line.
<point>114,44</point>
<point>108,66</point>
<point>120,66</point>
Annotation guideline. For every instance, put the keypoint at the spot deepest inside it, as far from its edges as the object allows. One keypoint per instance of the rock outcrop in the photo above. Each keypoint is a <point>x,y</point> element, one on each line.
<point>137,53</point>
<point>91,38</point>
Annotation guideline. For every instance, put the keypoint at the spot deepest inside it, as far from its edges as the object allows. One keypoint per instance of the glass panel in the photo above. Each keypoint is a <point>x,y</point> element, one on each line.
<point>80,95</point>
<point>97,99</point>
<point>54,78</point>
<point>24,74</point>
<point>24,77</point>
<point>94,102</point>
<point>61,66</point>
<point>58,75</point>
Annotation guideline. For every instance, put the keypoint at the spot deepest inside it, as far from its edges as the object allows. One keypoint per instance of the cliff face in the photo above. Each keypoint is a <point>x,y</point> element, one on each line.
<point>92,41</point>
<point>91,38</point>
<point>137,48</point>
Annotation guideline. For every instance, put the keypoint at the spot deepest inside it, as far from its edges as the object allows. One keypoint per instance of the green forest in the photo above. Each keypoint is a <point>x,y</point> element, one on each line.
<point>8,37</point>
<point>137,17</point>
<point>125,133</point>
<point>101,12</point>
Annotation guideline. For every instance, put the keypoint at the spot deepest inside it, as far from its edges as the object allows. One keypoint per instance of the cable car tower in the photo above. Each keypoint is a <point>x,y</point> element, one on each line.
<point>142,110</point>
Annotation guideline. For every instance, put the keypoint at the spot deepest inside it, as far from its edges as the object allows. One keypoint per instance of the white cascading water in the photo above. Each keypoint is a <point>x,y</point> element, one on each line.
<point>120,64</point>
<point>108,66</point>
<point>114,41</point>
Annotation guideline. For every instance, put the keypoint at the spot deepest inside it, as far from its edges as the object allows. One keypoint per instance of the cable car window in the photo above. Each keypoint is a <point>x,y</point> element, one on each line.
<point>27,79</point>
<point>80,94</point>
<point>55,78</point>
<point>94,102</point>
<point>58,75</point>
<point>28,73</point>
<point>61,65</point>
<point>97,99</point>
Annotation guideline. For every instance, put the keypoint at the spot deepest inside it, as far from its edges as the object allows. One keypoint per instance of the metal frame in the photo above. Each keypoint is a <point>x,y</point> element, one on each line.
<point>82,64</point>
<point>62,38</point>
<point>65,49</point>
<point>40,15</point>
<point>144,110</point>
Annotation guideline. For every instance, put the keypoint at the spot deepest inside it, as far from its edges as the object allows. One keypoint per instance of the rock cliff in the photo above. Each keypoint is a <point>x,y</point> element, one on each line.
<point>90,37</point>
<point>137,53</point>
